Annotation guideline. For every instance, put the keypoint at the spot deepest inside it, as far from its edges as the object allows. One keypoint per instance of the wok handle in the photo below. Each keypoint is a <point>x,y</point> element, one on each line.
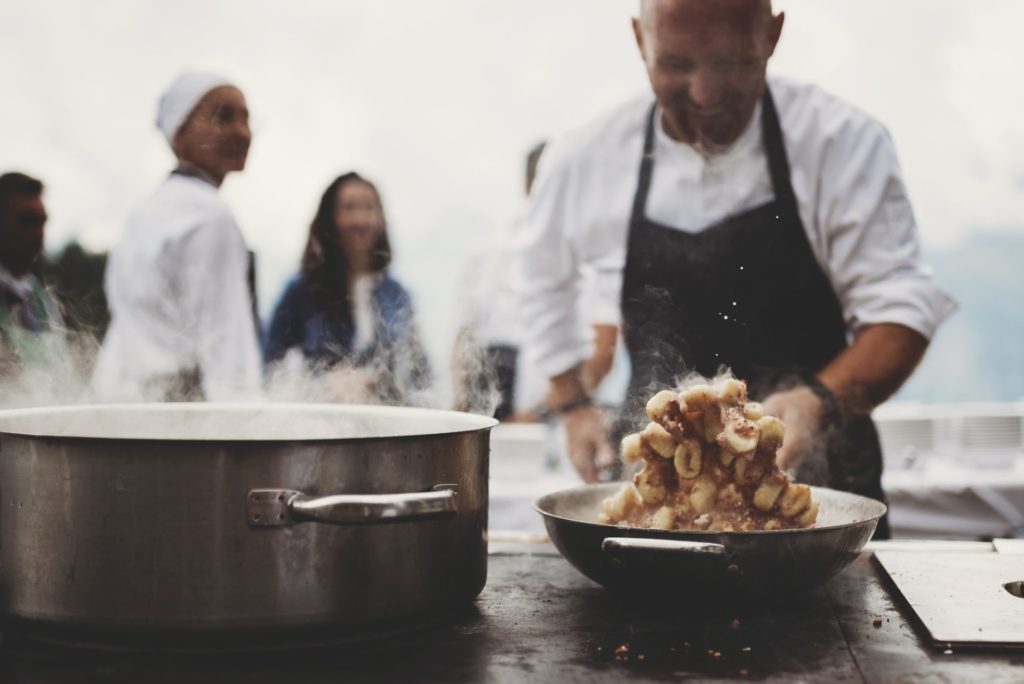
<point>283,507</point>
<point>617,545</point>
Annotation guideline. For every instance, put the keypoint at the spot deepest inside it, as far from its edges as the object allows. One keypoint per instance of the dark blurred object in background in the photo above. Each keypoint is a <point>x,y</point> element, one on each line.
<point>75,278</point>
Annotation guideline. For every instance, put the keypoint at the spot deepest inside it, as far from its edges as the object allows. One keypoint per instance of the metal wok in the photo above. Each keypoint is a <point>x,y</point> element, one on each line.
<point>708,563</point>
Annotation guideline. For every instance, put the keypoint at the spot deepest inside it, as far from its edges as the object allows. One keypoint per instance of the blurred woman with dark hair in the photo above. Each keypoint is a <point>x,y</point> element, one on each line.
<point>352,323</point>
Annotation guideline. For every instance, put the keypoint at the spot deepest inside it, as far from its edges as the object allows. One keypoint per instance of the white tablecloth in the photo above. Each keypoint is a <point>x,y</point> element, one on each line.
<point>943,499</point>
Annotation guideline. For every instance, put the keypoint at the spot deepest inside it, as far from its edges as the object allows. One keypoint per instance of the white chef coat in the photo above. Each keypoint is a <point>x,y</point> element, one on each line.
<point>844,172</point>
<point>177,287</point>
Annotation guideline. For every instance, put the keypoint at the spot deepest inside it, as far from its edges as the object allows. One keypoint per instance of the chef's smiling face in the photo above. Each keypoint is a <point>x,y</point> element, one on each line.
<point>216,136</point>
<point>706,61</point>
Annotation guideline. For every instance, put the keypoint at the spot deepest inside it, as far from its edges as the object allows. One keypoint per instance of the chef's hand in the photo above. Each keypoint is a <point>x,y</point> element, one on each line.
<point>587,442</point>
<point>802,412</point>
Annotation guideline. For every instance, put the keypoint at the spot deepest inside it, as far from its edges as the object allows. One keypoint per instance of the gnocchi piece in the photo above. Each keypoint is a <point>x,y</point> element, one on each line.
<point>739,436</point>
<point>664,519</point>
<point>753,410</point>
<point>732,391</point>
<point>747,472</point>
<point>712,426</point>
<point>649,484</point>
<point>659,440</point>
<point>795,500</point>
<point>726,457</point>
<point>808,517</point>
<point>631,448</point>
<point>772,524</point>
<point>772,432</point>
<point>702,496</point>
<point>622,503</point>
<point>659,406</point>
<point>699,397</point>
<point>688,458</point>
<point>767,493</point>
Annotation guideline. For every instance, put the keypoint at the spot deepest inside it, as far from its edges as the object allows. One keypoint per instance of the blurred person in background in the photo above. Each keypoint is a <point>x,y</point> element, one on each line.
<point>738,221</point>
<point>30,324</point>
<point>179,282</point>
<point>344,319</point>
<point>490,357</point>
<point>488,362</point>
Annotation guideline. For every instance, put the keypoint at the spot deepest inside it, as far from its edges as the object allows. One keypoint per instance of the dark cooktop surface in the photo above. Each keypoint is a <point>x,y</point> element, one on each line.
<point>539,620</point>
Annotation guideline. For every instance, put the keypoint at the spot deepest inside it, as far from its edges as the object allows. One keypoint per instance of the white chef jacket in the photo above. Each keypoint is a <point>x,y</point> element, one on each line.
<point>844,172</point>
<point>177,287</point>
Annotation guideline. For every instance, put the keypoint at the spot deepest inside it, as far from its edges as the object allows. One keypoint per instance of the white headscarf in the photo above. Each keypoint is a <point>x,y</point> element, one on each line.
<point>182,97</point>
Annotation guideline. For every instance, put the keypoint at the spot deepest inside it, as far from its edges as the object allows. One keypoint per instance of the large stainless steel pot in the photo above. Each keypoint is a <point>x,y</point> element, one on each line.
<point>202,517</point>
<point>696,564</point>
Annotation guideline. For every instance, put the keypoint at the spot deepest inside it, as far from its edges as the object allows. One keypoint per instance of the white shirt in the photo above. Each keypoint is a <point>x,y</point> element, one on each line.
<point>363,311</point>
<point>177,287</point>
<point>845,175</point>
<point>22,287</point>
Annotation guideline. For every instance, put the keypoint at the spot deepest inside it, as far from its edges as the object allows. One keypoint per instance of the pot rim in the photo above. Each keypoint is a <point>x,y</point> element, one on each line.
<point>237,422</point>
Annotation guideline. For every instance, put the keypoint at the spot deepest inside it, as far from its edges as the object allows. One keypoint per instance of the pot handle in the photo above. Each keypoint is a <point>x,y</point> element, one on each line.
<point>615,546</point>
<point>283,507</point>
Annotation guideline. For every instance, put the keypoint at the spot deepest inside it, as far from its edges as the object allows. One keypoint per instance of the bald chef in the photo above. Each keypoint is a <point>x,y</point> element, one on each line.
<point>740,222</point>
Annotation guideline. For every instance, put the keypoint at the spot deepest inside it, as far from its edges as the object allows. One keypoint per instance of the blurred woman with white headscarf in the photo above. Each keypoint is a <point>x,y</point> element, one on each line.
<point>179,283</point>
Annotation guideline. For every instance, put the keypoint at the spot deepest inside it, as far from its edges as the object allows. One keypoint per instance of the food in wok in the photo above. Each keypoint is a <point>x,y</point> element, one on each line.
<point>708,464</point>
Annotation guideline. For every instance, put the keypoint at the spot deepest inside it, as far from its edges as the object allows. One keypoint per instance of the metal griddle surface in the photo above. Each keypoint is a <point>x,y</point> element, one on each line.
<point>961,598</point>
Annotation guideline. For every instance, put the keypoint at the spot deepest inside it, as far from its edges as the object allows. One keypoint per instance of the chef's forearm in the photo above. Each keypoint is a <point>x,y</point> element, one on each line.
<point>871,369</point>
<point>566,388</point>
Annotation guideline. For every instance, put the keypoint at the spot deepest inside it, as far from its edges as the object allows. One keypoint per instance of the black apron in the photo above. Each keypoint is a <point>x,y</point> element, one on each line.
<point>746,294</point>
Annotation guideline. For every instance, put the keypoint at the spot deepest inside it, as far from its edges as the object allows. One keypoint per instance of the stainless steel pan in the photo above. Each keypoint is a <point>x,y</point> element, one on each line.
<point>711,563</point>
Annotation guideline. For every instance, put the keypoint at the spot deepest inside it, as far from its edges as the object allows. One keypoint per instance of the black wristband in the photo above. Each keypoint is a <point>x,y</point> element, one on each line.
<point>831,412</point>
<point>580,402</point>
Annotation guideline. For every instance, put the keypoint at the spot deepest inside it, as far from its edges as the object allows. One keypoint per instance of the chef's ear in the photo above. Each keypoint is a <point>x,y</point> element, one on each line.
<point>775,31</point>
<point>638,32</point>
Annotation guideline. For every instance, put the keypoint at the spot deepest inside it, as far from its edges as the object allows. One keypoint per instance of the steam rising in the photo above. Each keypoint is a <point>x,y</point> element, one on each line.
<point>55,371</point>
<point>60,368</point>
<point>474,376</point>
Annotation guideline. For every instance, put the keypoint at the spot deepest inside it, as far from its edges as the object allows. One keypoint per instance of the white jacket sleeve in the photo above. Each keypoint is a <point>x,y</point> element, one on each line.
<point>215,287</point>
<point>547,270</point>
<point>873,255</point>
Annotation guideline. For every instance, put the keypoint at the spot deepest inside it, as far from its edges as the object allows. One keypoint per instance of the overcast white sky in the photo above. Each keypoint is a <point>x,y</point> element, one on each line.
<point>439,101</point>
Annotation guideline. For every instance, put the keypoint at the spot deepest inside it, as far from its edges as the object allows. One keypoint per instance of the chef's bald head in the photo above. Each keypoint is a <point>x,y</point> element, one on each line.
<point>753,13</point>
<point>706,60</point>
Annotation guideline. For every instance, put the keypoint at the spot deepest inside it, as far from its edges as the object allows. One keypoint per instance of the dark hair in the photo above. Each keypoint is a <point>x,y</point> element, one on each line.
<point>323,261</point>
<point>14,183</point>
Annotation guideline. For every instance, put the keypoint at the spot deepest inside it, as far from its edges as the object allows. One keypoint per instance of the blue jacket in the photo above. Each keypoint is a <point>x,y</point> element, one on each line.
<point>327,339</point>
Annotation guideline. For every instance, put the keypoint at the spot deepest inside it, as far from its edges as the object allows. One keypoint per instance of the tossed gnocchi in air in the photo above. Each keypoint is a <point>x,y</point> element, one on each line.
<point>709,464</point>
